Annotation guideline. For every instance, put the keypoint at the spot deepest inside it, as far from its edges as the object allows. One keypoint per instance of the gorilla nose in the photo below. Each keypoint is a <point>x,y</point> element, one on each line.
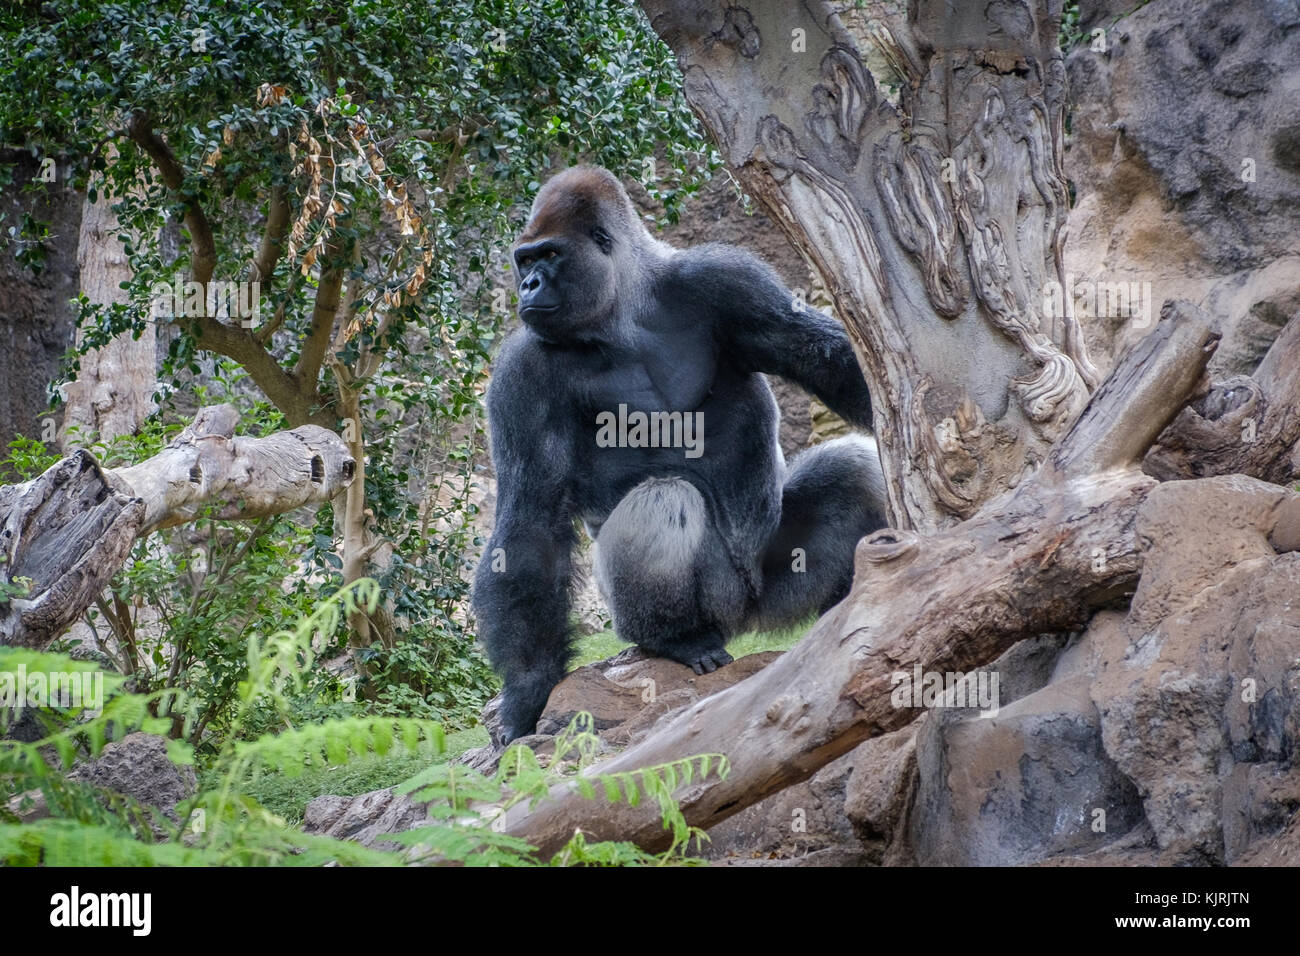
<point>530,285</point>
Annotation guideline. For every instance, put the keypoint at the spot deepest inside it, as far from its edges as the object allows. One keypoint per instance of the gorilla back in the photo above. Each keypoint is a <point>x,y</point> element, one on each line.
<point>632,399</point>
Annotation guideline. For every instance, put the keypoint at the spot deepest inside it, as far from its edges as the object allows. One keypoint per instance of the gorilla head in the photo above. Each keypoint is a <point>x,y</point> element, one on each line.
<point>580,237</point>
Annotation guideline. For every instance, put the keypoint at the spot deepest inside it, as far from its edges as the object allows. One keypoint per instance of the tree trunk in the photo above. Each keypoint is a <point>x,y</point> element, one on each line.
<point>1039,558</point>
<point>1244,425</point>
<point>113,391</point>
<point>935,222</point>
<point>64,534</point>
<point>360,546</point>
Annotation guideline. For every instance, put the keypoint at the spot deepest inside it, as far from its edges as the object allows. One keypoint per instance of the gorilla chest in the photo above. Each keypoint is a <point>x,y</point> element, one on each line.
<point>661,375</point>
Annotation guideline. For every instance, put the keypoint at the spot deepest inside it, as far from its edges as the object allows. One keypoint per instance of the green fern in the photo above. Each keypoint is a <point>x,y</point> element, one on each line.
<point>469,805</point>
<point>223,826</point>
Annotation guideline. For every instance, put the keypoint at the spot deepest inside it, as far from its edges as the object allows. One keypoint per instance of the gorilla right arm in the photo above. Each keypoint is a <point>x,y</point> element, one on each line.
<point>759,326</point>
<point>521,587</point>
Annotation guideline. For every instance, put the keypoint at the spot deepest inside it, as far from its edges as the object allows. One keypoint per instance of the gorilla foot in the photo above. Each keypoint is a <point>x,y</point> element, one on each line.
<point>703,659</point>
<point>709,661</point>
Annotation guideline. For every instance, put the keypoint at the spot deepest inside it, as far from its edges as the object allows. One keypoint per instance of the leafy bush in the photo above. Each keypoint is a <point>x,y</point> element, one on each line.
<point>224,825</point>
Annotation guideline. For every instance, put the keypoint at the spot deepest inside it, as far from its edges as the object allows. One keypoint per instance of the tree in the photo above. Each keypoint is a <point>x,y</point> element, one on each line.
<point>935,218</point>
<point>343,180</point>
<point>1016,472</point>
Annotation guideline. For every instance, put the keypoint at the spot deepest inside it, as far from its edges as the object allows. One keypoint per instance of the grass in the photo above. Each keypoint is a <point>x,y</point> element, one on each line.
<point>597,647</point>
<point>288,796</point>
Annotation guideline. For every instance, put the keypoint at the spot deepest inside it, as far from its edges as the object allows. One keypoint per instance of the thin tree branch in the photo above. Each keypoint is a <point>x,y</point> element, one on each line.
<point>204,247</point>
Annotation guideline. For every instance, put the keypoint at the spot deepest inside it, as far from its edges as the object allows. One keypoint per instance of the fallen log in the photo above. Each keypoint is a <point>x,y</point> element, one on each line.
<point>1248,425</point>
<point>1040,557</point>
<point>65,533</point>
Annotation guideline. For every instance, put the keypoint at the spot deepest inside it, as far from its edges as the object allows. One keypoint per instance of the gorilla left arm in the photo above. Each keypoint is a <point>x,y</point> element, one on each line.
<point>759,326</point>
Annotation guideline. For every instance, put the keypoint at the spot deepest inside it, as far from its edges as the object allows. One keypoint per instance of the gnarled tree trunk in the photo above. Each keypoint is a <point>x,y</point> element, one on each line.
<point>64,534</point>
<point>113,391</point>
<point>935,221</point>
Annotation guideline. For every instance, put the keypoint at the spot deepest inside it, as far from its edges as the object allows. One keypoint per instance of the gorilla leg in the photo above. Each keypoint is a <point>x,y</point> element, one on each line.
<point>833,497</point>
<point>664,572</point>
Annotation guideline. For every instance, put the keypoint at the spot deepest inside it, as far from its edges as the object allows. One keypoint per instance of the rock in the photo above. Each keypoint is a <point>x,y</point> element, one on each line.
<point>365,819</point>
<point>1177,719</point>
<point>1192,533</point>
<point>587,689</point>
<point>1280,850</point>
<point>1198,705</point>
<point>629,692</point>
<point>137,766</point>
<point>1185,160</point>
<point>1025,785</point>
<point>879,795</point>
<point>802,825</point>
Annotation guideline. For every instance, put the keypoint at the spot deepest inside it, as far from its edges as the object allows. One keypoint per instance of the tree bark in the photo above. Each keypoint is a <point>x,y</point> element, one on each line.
<point>936,222</point>
<point>1039,558</point>
<point>1245,425</point>
<point>64,534</point>
<point>113,392</point>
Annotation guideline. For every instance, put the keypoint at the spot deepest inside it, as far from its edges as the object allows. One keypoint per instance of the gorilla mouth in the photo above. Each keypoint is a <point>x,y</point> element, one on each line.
<point>539,310</point>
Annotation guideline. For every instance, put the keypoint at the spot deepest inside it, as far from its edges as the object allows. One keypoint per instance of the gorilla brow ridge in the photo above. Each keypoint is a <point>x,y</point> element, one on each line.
<point>574,200</point>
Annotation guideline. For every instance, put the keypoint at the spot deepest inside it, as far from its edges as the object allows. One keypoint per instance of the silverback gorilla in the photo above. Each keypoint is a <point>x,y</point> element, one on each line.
<point>631,399</point>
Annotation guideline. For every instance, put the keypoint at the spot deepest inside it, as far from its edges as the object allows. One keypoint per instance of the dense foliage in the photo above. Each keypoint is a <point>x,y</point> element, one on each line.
<point>365,163</point>
<point>223,824</point>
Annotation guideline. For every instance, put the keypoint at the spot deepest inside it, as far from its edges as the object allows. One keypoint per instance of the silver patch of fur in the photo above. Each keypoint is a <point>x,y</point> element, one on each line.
<point>658,527</point>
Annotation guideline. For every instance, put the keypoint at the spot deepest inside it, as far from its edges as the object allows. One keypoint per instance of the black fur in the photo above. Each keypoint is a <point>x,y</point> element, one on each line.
<point>690,550</point>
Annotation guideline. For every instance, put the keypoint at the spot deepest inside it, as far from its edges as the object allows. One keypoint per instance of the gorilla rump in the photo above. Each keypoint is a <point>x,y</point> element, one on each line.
<point>690,550</point>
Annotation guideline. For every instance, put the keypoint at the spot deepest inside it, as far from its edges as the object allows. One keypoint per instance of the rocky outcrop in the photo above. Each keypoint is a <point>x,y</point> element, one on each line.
<point>137,766</point>
<point>1163,734</point>
<point>38,279</point>
<point>366,819</point>
<point>1184,155</point>
<point>1198,691</point>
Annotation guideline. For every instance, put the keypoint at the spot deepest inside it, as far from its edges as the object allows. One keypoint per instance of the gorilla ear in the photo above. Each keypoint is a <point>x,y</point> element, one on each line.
<point>603,240</point>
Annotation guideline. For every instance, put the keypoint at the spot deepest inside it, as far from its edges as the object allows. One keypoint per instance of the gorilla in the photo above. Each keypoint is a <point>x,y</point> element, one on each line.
<point>631,398</point>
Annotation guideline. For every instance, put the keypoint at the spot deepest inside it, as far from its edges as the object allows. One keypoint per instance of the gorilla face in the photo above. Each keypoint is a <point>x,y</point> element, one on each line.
<point>567,259</point>
<point>567,287</point>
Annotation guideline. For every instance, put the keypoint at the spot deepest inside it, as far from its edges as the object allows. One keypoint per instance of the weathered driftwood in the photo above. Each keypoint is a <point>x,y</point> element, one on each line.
<point>65,533</point>
<point>1245,425</point>
<point>1038,558</point>
<point>936,220</point>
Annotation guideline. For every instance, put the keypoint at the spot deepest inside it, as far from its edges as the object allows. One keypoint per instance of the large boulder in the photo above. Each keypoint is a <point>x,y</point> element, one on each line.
<point>137,766</point>
<point>1198,696</point>
<point>1184,155</point>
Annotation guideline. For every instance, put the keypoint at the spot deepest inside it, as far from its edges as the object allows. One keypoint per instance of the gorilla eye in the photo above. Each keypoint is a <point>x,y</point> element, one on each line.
<point>602,239</point>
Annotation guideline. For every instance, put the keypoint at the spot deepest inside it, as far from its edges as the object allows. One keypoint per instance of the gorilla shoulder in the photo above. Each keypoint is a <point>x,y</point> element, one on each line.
<point>722,277</point>
<point>519,370</point>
